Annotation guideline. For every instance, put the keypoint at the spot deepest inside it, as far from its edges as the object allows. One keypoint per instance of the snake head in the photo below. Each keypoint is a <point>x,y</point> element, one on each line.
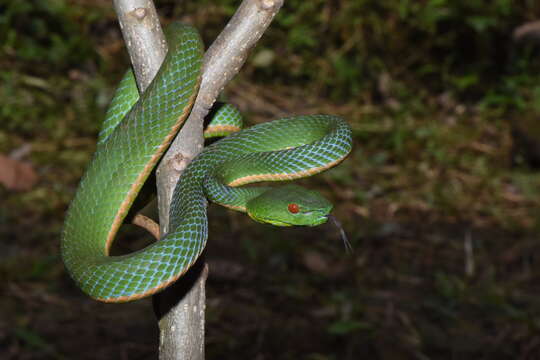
<point>289,205</point>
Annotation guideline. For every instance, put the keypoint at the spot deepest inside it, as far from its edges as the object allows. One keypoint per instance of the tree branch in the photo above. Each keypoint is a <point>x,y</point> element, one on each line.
<point>180,308</point>
<point>143,36</point>
<point>221,63</point>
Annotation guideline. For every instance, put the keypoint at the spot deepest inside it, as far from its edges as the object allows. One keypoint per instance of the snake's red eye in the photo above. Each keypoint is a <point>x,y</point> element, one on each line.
<point>293,208</point>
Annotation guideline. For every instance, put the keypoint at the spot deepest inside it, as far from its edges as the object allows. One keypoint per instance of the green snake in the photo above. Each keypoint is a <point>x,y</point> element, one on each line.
<point>135,134</point>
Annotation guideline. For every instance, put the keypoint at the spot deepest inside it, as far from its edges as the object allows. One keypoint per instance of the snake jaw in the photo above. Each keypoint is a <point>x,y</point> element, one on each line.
<point>270,221</point>
<point>315,221</point>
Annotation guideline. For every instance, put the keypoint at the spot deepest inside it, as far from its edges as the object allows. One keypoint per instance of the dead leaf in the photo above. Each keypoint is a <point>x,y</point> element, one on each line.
<point>17,175</point>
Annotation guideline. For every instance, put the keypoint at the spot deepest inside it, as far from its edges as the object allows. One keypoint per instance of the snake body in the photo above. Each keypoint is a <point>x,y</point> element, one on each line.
<point>135,134</point>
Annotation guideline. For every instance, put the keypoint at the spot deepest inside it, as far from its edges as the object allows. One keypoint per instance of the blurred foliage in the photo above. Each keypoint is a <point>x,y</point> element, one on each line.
<point>434,90</point>
<point>342,47</point>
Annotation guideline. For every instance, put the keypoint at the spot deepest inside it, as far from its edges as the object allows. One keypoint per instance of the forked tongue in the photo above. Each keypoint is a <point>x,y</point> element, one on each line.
<point>346,243</point>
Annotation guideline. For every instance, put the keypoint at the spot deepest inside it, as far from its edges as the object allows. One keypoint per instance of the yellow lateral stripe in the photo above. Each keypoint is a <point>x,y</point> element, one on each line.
<point>274,177</point>
<point>234,207</point>
<point>216,129</point>
<point>135,187</point>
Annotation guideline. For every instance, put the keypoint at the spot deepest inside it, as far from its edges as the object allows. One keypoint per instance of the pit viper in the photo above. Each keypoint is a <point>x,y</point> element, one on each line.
<point>136,132</point>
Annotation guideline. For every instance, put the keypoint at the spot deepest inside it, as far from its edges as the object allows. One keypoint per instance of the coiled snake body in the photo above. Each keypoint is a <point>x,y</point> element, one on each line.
<point>135,134</point>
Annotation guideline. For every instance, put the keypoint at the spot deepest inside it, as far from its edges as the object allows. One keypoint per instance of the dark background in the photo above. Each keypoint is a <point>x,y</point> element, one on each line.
<point>439,196</point>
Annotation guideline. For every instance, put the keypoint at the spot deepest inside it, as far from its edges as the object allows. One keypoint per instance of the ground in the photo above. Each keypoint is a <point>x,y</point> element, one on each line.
<point>439,198</point>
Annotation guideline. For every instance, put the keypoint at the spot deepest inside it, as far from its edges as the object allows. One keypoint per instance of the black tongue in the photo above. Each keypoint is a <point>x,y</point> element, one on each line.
<point>346,243</point>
